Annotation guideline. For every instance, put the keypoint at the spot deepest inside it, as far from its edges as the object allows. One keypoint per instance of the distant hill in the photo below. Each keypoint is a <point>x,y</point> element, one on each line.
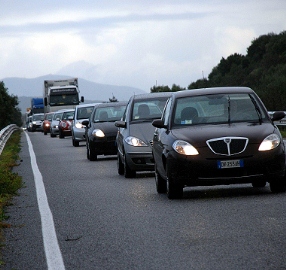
<point>25,89</point>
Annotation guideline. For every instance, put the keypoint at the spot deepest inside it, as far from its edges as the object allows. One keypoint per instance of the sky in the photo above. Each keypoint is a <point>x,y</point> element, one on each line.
<point>138,43</point>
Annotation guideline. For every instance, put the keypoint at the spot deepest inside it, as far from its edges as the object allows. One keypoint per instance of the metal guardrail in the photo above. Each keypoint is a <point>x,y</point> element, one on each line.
<point>5,134</point>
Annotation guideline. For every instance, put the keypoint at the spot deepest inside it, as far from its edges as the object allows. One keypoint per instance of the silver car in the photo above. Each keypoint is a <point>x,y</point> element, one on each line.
<point>54,128</point>
<point>82,113</point>
<point>135,134</point>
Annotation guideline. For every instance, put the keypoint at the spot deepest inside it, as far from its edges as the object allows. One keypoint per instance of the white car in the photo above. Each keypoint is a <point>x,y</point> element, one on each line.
<point>82,112</point>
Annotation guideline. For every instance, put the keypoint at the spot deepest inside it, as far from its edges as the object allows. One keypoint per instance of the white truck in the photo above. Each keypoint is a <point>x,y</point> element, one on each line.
<point>61,94</point>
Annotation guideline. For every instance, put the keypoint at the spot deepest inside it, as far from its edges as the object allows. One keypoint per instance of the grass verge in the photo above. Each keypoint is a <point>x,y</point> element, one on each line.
<point>10,182</point>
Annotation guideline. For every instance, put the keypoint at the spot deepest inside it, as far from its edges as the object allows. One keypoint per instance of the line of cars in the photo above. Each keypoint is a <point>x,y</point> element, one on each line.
<point>202,137</point>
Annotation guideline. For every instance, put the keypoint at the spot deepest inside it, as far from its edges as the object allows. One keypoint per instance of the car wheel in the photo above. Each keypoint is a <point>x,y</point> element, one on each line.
<point>161,185</point>
<point>52,134</point>
<point>87,150</point>
<point>75,143</point>
<point>61,134</point>
<point>45,133</point>
<point>92,154</point>
<point>259,184</point>
<point>128,173</point>
<point>174,190</point>
<point>278,186</point>
<point>120,165</point>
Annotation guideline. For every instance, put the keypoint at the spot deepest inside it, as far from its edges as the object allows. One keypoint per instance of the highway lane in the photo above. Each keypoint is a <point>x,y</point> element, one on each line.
<point>104,221</point>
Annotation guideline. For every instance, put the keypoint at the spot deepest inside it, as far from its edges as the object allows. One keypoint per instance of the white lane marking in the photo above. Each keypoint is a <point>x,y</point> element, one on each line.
<point>51,245</point>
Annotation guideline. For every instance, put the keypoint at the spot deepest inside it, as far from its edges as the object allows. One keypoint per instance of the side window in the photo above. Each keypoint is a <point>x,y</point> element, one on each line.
<point>166,113</point>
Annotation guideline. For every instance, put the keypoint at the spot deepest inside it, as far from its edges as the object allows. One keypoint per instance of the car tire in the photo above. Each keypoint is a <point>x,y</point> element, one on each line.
<point>278,186</point>
<point>259,184</point>
<point>174,190</point>
<point>45,133</point>
<point>61,134</point>
<point>161,184</point>
<point>92,154</point>
<point>52,134</point>
<point>120,165</point>
<point>128,173</point>
<point>75,143</point>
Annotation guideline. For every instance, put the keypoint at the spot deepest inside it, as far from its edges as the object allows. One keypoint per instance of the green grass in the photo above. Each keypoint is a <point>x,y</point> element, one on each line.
<point>10,182</point>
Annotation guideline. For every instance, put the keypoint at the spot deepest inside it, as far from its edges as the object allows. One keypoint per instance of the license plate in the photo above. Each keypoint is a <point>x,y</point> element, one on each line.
<point>225,164</point>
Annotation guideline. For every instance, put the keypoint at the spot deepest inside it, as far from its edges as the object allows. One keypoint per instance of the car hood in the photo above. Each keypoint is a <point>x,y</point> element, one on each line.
<point>142,130</point>
<point>198,135</point>
<point>106,127</point>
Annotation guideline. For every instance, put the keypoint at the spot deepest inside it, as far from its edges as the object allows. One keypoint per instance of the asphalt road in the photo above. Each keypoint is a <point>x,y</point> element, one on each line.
<point>104,221</point>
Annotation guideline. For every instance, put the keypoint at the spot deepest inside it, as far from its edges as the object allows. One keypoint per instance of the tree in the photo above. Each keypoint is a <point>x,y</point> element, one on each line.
<point>9,112</point>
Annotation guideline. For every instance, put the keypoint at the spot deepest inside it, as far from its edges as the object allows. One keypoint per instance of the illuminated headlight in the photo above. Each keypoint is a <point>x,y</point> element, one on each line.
<point>184,148</point>
<point>47,124</point>
<point>269,143</point>
<point>98,133</point>
<point>79,125</point>
<point>133,141</point>
<point>34,122</point>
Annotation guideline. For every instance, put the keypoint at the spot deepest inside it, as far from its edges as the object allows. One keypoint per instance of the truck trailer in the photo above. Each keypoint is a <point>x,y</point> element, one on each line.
<point>61,94</point>
<point>37,105</point>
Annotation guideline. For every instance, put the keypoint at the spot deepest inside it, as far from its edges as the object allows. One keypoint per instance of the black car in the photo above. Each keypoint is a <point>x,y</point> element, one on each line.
<point>217,136</point>
<point>135,133</point>
<point>100,132</point>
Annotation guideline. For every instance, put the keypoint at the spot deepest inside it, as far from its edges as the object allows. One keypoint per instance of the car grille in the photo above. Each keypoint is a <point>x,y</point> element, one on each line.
<point>228,145</point>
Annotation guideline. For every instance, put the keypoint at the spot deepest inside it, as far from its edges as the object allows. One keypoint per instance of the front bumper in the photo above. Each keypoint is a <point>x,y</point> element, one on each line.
<point>139,158</point>
<point>103,146</point>
<point>199,171</point>
<point>79,134</point>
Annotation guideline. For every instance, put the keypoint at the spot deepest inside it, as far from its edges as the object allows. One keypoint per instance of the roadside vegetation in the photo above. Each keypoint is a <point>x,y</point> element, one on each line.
<point>263,69</point>
<point>10,181</point>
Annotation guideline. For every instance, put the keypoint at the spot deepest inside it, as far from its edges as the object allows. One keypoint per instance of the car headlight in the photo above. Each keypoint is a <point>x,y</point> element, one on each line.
<point>133,141</point>
<point>79,125</point>
<point>184,148</point>
<point>269,143</point>
<point>98,133</point>
<point>47,124</point>
<point>34,122</point>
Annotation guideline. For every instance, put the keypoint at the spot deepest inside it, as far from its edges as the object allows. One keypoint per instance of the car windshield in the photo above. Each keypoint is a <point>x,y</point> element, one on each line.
<point>108,114</point>
<point>37,117</point>
<point>66,115</point>
<point>148,109</point>
<point>49,116</point>
<point>57,116</point>
<point>218,109</point>
<point>84,112</point>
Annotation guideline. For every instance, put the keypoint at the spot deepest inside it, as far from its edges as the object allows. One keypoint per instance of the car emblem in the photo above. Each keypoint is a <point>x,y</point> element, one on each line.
<point>227,140</point>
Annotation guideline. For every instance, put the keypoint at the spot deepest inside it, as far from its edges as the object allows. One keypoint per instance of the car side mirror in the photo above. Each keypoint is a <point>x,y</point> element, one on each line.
<point>85,122</point>
<point>120,124</point>
<point>278,116</point>
<point>158,123</point>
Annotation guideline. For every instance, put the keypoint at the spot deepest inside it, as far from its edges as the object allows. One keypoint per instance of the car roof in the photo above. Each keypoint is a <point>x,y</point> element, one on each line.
<point>87,105</point>
<point>212,90</point>
<point>111,104</point>
<point>151,95</point>
<point>64,110</point>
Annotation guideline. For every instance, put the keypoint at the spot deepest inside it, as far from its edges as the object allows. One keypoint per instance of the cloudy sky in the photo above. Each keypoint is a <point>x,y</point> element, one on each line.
<point>137,43</point>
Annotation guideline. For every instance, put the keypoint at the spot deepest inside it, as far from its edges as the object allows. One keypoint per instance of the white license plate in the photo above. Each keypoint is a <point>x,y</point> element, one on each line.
<point>225,164</point>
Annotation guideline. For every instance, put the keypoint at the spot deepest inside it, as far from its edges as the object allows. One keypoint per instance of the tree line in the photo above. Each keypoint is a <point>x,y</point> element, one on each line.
<point>9,110</point>
<point>263,69</point>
